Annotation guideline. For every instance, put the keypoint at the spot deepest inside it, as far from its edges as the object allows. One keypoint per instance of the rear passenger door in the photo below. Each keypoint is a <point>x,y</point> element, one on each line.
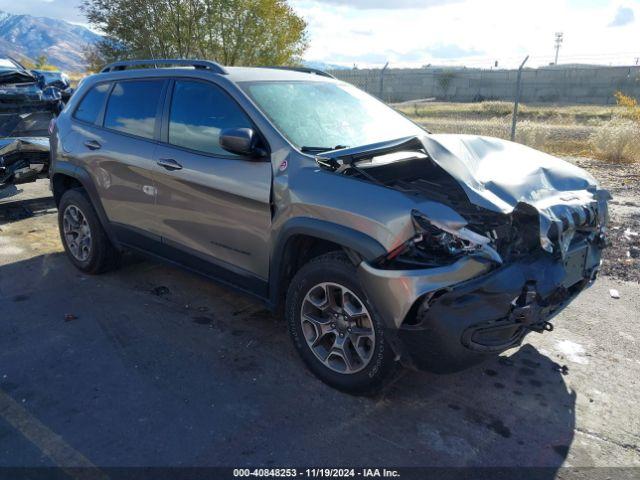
<point>213,205</point>
<point>121,157</point>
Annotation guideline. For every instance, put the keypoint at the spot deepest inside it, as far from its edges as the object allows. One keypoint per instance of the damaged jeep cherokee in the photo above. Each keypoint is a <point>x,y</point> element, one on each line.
<point>383,244</point>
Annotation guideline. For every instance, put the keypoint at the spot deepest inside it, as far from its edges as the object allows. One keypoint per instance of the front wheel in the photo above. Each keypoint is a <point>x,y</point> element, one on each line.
<point>335,328</point>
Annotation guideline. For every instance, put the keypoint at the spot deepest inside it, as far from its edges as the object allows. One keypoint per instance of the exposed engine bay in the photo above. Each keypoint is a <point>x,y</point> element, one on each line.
<point>515,200</point>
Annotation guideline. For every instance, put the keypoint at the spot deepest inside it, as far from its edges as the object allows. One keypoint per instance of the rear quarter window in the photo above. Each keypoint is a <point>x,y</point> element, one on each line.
<point>91,104</point>
<point>133,107</point>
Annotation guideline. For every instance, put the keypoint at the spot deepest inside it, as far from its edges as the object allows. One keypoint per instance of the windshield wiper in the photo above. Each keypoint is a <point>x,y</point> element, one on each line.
<point>343,160</point>
<point>322,149</point>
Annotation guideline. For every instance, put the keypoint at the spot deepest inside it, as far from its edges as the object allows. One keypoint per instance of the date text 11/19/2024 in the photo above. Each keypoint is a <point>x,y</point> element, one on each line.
<point>316,473</point>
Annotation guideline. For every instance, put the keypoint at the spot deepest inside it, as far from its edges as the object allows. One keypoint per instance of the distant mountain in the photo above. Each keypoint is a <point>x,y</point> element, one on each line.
<point>324,66</point>
<point>62,42</point>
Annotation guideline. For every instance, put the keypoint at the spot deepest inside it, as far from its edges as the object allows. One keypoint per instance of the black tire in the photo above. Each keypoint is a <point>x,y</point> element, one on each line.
<point>102,255</point>
<point>335,267</point>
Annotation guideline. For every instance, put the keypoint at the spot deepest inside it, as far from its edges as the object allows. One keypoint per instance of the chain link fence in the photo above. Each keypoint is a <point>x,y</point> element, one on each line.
<point>564,85</point>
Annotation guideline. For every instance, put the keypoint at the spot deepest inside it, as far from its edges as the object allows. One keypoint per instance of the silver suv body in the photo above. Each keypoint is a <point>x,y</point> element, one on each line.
<point>382,242</point>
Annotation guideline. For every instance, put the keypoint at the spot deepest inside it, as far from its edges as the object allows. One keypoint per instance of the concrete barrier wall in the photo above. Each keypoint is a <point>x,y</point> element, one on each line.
<point>572,85</point>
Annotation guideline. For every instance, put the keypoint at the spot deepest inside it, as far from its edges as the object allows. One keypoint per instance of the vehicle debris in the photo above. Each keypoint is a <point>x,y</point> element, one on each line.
<point>29,101</point>
<point>629,234</point>
<point>563,369</point>
<point>614,293</point>
<point>23,159</point>
<point>55,79</point>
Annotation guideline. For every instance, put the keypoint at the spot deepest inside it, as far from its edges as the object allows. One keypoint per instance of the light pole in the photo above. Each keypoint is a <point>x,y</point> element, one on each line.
<point>559,40</point>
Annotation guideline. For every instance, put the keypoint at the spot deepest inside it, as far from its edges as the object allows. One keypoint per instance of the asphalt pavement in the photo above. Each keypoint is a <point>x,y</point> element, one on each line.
<point>153,366</point>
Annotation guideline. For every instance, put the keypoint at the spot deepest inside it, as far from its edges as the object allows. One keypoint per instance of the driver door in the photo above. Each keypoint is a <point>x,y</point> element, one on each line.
<point>211,205</point>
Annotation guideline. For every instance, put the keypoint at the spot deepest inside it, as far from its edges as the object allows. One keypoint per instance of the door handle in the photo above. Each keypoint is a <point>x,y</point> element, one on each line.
<point>169,164</point>
<point>92,144</point>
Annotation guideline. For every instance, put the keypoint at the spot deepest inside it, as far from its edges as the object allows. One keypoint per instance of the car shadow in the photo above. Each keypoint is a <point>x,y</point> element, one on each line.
<point>513,410</point>
<point>211,379</point>
<point>8,191</point>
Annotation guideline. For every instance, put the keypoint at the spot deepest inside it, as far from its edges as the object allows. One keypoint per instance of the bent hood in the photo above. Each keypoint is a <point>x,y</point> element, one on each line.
<point>495,175</point>
<point>500,176</point>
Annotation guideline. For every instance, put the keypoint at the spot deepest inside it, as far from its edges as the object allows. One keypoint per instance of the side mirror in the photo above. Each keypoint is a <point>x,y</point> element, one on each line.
<point>241,141</point>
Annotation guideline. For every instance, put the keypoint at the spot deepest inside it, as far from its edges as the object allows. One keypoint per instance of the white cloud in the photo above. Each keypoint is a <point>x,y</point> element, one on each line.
<point>60,9</point>
<point>386,4</point>
<point>624,16</point>
<point>473,32</point>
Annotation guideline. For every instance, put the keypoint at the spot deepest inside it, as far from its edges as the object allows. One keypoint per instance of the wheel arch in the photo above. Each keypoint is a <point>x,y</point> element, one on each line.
<point>67,176</point>
<point>302,239</point>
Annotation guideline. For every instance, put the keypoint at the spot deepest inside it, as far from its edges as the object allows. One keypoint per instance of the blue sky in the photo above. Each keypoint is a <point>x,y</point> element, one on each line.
<point>471,32</point>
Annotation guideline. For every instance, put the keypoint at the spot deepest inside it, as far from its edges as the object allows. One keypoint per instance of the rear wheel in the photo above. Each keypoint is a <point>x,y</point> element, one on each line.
<point>82,235</point>
<point>335,328</point>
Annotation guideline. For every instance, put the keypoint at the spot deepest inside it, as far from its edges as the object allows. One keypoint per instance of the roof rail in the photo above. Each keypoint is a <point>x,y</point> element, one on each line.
<point>314,71</point>
<point>155,63</point>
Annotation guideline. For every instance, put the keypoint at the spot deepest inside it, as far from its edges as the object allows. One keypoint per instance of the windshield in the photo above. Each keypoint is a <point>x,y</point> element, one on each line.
<point>324,115</point>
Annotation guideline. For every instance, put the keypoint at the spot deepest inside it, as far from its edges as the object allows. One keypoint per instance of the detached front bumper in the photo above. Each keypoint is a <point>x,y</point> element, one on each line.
<point>449,318</point>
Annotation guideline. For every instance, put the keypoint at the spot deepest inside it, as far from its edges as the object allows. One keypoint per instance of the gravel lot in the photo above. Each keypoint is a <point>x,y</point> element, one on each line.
<point>152,366</point>
<point>622,259</point>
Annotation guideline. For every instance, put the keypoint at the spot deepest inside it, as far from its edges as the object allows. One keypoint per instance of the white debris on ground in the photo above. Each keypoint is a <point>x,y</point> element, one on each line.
<point>574,352</point>
<point>614,293</point>
<point>7,249</point>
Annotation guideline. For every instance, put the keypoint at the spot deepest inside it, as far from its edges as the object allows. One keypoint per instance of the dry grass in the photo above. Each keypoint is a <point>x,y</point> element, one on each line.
<point>574,113</point>
<point>617,141</point>
<point>604,132</point>
<point>553,138</point>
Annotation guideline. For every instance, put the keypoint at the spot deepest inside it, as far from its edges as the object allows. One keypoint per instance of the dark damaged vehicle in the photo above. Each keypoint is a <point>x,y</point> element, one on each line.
<point>54,79</point>
<point>382,243</point>
<point>27,106</point>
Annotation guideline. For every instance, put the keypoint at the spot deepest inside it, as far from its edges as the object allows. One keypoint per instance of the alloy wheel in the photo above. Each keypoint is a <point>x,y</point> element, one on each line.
<point>77,233</point>
<point>338,328</point>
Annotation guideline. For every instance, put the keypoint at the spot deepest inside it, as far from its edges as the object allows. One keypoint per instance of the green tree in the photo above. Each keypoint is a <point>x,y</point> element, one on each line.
<point>41,61</point>
<point>233,32</point>
<point>93,59</point>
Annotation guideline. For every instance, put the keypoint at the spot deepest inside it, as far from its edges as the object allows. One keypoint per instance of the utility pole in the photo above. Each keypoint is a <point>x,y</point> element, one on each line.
<point>559,40</point>
<point>514,118</point>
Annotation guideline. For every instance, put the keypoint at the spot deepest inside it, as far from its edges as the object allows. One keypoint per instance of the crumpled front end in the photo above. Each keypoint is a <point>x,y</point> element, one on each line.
<point>508,178</point>
<point>462,325</point>
<point>527,237</point>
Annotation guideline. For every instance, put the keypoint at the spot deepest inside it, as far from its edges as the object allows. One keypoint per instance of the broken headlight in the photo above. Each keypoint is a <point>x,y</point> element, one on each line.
<point>436,239</point>
<point>436,245</point>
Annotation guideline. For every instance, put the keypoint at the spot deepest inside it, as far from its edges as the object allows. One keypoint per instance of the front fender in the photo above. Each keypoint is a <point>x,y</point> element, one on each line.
<point>367,247</point>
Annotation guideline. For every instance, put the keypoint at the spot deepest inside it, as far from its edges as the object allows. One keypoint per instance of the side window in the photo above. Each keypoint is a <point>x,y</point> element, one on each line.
<point>199,111</point>
<point>132,107</point>
<point>91,104</point>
